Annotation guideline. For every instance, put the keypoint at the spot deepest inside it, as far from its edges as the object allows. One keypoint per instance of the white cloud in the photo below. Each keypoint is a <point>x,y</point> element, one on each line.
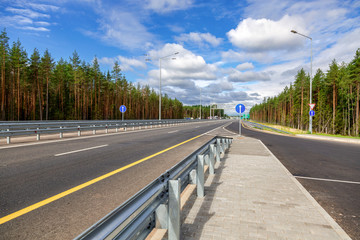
<point>241,56</point>
<point>249,76</point>
<point>201,39</point>
<point>258,35</point>
<point>165,6</point>
<point>38,29</point>
<point>28,16</point>
<point>125,34</point>
<point>343,51</point>
<point>182,77</point>
<point>41,23</point>
<point>43,7</point>
<point>186,66</point>
<point>27,13</point>
<point>15,20</point>
<point>245,66</point>
<point>126,64</point>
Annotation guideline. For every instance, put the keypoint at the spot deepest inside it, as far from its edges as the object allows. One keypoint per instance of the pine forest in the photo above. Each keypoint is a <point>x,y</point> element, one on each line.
<point>36,87</point>
<point>335,93</point>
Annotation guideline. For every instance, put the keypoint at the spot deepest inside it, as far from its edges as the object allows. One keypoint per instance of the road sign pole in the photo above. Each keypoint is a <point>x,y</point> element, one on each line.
<point>122,109</point>
<point>239,124</point>
<point>240,108</point>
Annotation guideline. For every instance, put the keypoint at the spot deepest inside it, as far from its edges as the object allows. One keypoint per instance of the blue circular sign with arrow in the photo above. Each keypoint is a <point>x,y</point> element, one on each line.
<point>122,108</point>
<point>240,108</point>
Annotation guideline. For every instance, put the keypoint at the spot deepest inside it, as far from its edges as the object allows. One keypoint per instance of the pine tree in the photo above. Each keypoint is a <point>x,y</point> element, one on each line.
<point>46,68</point>
<point>4,50</point>
<point>354,68</point>
<point>34,76</point>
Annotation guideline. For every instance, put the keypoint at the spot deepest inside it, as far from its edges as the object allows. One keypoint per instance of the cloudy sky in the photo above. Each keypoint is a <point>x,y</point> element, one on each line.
<point>232,51</point>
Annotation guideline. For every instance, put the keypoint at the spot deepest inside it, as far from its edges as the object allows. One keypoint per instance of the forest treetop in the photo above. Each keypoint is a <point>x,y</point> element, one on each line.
<point>336,94</point>
<point>36,87</point>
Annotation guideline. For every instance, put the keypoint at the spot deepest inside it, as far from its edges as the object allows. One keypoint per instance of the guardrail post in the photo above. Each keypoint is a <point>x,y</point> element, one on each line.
<point>37,135</point>
<point>222,150</point>
<point>162,217</point>
<point>8,140</point>
<point>174,209</point>
<point>192,177</point>
<point>200,176</point>
<point>206,160</point>
<point>217,150</point>
<point>212,151</point>
<point>211,165</point>
<point>61,133</point>
<point>79,131</point>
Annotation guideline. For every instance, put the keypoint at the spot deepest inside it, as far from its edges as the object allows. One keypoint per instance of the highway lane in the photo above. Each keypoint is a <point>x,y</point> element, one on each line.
<point>321,160</point>
<point>33,173</point>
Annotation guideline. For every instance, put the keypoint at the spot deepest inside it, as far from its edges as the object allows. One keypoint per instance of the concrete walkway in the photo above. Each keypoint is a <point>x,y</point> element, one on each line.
<point>253,196</point>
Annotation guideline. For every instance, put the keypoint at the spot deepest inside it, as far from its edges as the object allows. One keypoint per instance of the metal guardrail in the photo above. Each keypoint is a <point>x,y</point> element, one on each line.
<point>9,129</point>
<point>159,202</point>
<point>262,127</point>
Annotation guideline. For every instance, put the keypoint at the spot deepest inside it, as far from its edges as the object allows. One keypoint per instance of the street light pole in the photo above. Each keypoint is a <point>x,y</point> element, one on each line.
<point>160,90</point>
<point>311,57</point>
<point>200,103</point>
<point>160,81</point>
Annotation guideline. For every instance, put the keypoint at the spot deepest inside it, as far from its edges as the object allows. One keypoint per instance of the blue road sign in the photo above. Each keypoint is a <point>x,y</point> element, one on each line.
<point>122,108</point>
<point>312,113</point>
<point>240,108</point>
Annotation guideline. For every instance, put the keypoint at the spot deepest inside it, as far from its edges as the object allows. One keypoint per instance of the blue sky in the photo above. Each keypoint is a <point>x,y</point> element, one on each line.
<point>234,51</point>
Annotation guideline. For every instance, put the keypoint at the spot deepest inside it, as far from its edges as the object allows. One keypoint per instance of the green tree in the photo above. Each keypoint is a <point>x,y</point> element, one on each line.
<point>46,66</point>
<point>354,71</point>
<point>4,50</point>
<point>34,76</point>
<point>332,80</point>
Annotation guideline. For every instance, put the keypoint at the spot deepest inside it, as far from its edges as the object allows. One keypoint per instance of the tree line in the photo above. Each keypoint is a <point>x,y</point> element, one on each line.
<point>38,88</point>
<point>335,93</point>
<point>194,112</point>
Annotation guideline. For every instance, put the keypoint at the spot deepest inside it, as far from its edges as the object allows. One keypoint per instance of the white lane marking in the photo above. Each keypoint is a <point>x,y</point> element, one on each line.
<point>328,180</point>
<point>81,150</point>
<point>173,131</point>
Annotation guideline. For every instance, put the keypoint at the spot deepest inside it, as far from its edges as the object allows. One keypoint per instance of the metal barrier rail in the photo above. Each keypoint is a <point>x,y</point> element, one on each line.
<point>258,125</point>
<point>158,204</point>
<point>9,129</point>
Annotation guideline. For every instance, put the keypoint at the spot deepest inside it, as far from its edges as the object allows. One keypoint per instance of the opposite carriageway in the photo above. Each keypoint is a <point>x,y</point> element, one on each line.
<point>24,128</point>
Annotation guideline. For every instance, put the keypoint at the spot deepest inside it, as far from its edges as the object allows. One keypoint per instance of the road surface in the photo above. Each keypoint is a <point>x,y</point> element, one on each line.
<point>43,195</point>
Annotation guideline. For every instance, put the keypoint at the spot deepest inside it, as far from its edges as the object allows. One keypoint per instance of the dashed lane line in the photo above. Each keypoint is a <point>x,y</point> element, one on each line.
<point>80,150</point>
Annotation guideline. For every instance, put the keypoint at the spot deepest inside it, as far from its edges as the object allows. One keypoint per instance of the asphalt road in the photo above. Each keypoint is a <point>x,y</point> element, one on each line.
<point>321,160</point>
<point>36,172</point>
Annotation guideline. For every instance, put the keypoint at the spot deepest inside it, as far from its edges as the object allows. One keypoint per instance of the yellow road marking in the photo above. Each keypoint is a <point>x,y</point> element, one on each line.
<point>84,185</point>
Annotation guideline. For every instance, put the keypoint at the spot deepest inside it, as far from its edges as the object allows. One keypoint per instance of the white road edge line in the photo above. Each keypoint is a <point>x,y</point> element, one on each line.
<point>327,180</point>
<point>173,131</point>
<point>81,150</point>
